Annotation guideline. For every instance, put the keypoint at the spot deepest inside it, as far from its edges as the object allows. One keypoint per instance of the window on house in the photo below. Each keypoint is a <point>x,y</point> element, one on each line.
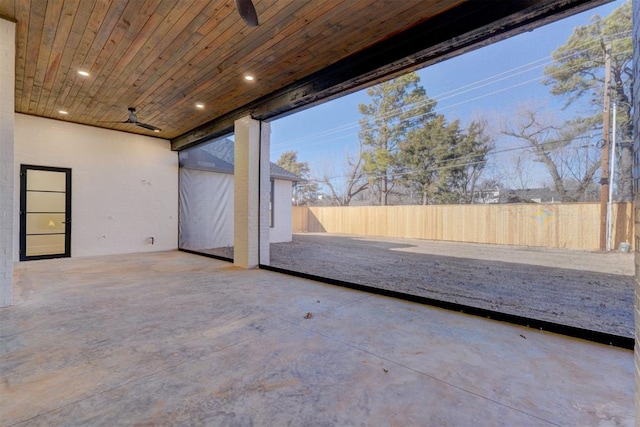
<point>272,203</point>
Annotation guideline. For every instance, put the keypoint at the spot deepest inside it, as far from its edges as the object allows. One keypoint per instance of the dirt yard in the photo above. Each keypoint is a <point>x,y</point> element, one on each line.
<point>585,289</point>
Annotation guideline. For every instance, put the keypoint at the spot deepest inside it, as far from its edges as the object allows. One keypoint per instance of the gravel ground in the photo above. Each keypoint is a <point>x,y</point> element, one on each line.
<point>584,289</point>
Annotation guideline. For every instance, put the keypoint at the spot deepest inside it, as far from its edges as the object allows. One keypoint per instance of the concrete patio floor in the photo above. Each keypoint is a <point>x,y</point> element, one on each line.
<point>177,339</point>
<point>587,290</point>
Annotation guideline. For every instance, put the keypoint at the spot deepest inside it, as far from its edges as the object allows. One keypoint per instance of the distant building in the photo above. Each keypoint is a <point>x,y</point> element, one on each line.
<point>527,195</point>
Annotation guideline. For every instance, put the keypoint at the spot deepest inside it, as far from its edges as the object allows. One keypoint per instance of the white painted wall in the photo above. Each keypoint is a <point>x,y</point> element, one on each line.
<point>7,125</point>
<point>124,186</point>
<point>281,230</point>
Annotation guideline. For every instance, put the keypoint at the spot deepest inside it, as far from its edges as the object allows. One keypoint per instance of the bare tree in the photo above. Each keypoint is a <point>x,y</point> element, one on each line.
<point>476,148</point>
<point>343,189</point>
<point>566,150</point>
<point>305,191</point>
<point>487,191</point>
<point>577,74</point>
<point>515,171</point>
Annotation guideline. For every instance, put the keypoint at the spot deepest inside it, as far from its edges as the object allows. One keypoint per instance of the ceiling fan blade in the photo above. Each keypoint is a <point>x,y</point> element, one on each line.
<point>247,12</point>
<point>146,126</point>
<point>133,120</point>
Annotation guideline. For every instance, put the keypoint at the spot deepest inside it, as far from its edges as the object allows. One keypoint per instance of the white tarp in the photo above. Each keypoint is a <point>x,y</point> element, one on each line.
<point>206,209</point>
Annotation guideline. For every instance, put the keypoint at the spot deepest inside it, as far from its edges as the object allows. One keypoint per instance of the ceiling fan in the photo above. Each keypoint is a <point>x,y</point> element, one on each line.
<point>247,12</point>
<point>133,119</point>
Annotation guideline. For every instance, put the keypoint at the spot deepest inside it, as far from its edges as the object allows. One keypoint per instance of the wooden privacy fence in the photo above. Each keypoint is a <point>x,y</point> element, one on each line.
<point>566,225</point>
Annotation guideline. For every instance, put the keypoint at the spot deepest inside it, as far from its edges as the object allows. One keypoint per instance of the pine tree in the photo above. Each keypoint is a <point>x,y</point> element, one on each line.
<point>578,75</point>
<point>397,106</point>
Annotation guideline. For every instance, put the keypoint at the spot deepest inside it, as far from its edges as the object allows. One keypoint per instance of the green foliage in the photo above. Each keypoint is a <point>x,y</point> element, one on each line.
<point>304,191</point>
<point>289,161</point>
<point>578,75</point>
<point>396,107</point>
<point>443,161</point>
<point>578,70</point>
<point>410,147</point>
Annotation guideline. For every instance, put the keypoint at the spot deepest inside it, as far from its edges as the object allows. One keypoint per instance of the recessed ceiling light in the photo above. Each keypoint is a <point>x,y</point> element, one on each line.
<point>249,77</point>
<point>199,105</point>
<point>156,130</point>
<point>83,73</point>
<point>64,113</point>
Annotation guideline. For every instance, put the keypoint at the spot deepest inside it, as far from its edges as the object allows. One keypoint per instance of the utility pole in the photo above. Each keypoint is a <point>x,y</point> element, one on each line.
<point>612,171</point>
<point>604,180</point>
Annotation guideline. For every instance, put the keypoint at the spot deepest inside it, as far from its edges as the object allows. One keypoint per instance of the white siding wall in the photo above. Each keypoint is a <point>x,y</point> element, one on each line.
<point>281,231</point>
<point>124,186</point>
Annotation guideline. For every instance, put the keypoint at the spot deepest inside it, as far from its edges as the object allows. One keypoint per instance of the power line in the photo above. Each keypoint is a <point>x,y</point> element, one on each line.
<point>521,69</point>
<point>466,164</point>
<point>438,110</point>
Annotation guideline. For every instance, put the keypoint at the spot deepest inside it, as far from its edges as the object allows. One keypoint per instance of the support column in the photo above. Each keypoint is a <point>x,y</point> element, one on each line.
<point>265,193</point>
<point>7,130</point>
<point>246,200</point>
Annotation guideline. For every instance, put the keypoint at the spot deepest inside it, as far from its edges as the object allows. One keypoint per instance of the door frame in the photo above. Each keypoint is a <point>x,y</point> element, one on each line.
<point>23,213</point>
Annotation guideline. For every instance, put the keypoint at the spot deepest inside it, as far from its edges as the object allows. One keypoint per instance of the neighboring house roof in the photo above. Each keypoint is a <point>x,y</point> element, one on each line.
<point>218,156</point>
<point>526,195</point>
<point>279,172</point>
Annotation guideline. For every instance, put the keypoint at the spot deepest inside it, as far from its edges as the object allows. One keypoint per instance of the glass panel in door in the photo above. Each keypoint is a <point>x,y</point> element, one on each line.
<point>45,216</point>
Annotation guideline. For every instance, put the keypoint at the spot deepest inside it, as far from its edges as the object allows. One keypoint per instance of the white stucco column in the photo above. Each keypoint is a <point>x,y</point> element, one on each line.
<point>7,126</point>
<point>246,199</point>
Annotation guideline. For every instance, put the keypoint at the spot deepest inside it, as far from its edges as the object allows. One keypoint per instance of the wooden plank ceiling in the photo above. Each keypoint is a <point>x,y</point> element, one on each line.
<point>164,56</point>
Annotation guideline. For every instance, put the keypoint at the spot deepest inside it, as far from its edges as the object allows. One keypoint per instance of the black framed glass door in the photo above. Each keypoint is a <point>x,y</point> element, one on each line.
<point>45,212</point>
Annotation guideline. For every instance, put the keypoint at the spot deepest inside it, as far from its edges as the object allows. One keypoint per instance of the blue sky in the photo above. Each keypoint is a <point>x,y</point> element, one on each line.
<point>490,82</point>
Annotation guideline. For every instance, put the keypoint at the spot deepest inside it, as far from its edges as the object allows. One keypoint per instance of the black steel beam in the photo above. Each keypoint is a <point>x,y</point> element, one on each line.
<point>471,25</point>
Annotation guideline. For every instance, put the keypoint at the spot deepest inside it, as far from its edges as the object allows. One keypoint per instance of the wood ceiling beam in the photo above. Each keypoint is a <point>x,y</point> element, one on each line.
<point>461,29</point>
